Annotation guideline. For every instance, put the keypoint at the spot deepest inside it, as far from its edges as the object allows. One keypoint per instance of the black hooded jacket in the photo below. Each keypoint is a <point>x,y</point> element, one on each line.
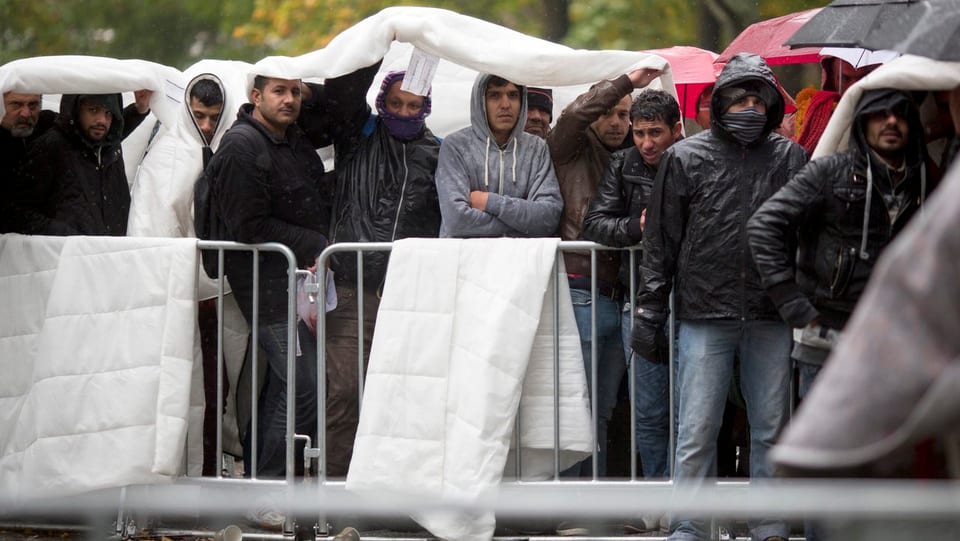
<point>707,187</point>
<point>385,191</point>
<point>69,185</point>
<point>840,220</point>
<point>614,215</point>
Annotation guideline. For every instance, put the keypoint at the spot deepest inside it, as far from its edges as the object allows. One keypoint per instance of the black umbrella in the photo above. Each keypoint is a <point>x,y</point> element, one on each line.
<point>928,28</point>
<point>845,23</point>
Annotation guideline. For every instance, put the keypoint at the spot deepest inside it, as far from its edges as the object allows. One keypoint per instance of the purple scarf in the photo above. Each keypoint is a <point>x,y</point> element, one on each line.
<point>404,128</point>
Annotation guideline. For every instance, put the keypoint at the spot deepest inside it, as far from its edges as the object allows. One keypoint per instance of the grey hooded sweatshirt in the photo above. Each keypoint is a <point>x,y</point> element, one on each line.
<point>524,196</point>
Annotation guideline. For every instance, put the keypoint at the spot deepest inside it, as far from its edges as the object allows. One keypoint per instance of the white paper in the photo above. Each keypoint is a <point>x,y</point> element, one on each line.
<point>420,73</point>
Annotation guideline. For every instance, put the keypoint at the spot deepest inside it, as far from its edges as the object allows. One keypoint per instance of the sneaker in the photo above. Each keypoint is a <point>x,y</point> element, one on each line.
<point>264,514</point>
<point>572,529</point>
<point>348,534</point>
<point>646,524</point>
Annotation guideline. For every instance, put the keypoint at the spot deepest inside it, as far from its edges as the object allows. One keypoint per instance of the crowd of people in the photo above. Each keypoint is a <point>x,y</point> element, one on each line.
<point>751,238</point>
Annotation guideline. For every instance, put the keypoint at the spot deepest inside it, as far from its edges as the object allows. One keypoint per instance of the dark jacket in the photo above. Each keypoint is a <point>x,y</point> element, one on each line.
<point>824,210</point>
<point>614,215</point>
<point>68,185</point>
<point>385,191</point>
<point>268,189</point>
<point>274,189</point>
<point>580,160</point>
<point>706,189</point>
<point>12,151</point>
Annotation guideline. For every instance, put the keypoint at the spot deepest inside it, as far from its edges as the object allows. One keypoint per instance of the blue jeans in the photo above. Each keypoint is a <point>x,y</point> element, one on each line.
<point>610,366</point>
<point>808,373</point>
<point>272,404</point>
<point>706,358</point>
<point>651,406</point>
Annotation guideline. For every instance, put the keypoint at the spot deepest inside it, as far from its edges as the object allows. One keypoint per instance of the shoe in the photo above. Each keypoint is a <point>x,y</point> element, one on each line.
<point>664,524</point>
<point>646,524</point>
<point>266,518</point>
<point>265,515</point>
<point>572,529</point>
<point>348,534</point>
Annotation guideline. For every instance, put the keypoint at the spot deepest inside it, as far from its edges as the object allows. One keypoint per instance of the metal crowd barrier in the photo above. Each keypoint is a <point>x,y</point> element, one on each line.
<point>318,497</point>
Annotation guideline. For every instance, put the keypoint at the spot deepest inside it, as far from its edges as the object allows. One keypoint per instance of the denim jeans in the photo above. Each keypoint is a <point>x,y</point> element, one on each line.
<point>706,357</point>
<point>651,406</point>
<point>272,404</point>
<point>808,373</point>
<point>610,366</point>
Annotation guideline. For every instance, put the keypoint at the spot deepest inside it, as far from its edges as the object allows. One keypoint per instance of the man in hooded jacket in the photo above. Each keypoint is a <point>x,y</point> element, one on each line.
<point>706,188</point>
<point>385,191</point>
<point>843,210</point>
<point>72,180</point>
<point>494,179</point>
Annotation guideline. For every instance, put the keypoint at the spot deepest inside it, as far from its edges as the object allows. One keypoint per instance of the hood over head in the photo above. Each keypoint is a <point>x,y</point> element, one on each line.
<point>188,100</point>
<point>404,128</point>
<point>888,99</point>
<point>746,74</point>
<point>70,111</point>
<point>478,108</point>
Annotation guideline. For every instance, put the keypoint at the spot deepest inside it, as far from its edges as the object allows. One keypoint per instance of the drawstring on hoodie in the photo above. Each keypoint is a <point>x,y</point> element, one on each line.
<point>513,166</point>
<point>486,164</point>
<point>866,211</point>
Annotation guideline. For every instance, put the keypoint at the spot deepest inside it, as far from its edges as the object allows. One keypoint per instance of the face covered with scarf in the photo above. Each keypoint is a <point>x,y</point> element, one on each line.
<point>402,112</point>
<point>745,110</point>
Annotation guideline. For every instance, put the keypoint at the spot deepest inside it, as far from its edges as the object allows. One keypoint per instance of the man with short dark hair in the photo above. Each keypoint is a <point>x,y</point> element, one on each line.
<point>539,111</point>
<point>695,246</point>
<point>615,218</point>
<point>268,185</point>
<point>590,128</point>
<point>206,106</point>
<point>493,179</point>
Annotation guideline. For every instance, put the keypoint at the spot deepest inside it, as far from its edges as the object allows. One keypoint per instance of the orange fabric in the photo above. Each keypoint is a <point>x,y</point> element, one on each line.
<point>816,117</point>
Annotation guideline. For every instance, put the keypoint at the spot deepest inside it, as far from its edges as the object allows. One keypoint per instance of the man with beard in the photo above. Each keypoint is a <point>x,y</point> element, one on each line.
<point>539,111</point>
<point>23,123</point>
<point>71,181</point>
<point>844,210</point>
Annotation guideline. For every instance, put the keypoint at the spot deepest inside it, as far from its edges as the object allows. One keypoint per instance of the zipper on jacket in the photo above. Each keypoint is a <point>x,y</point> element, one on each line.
<point>744,203</point>
<point>403,191</point>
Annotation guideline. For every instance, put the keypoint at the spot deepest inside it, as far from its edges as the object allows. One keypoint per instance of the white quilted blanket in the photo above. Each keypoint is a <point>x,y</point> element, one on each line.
<point>96,350</point>
<point>464,340</point>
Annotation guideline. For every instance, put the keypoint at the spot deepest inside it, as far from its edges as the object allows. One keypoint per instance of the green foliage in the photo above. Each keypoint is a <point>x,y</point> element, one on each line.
<point>178,32</point>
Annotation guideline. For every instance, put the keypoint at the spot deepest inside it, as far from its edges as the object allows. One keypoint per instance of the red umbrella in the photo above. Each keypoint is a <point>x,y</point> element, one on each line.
<point>766,39</point>
<point>693,70</point>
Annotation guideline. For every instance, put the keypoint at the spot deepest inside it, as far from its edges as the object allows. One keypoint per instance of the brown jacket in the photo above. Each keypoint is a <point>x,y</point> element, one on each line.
<point>580,159</point>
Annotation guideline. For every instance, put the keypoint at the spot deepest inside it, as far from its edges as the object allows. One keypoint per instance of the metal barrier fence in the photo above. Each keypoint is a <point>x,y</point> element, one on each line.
<point>319,497</point>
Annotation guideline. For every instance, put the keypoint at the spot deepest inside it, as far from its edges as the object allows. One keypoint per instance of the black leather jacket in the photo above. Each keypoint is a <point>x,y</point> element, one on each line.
<point>706,189</point>
<point>614,215</point>
<point>825,212</point>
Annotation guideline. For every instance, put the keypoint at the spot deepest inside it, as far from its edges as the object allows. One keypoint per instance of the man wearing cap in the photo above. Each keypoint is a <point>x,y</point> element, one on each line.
<point>539,111</point>
<point>695,245</point>
<point>385,191</point>
<point>72,181</point>
<point>842,210</point>
<point>588,131</point>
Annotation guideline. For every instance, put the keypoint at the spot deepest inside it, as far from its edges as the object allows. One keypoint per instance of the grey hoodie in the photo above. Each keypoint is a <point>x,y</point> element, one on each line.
<point>524,196</point>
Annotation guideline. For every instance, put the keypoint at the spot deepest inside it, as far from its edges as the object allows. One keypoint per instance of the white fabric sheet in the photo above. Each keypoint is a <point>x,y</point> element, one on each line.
<point>96,351</point>
<point>463,341</point>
